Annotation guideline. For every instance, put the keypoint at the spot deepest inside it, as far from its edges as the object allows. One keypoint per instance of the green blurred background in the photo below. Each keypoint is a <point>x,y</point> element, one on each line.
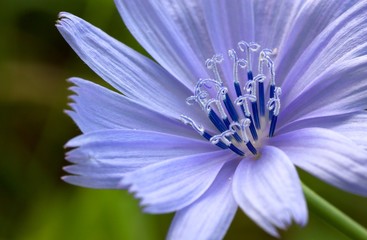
<point>34,202</point>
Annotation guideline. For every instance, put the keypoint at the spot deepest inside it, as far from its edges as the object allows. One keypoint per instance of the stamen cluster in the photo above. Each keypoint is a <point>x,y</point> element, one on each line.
<point>239,125</point>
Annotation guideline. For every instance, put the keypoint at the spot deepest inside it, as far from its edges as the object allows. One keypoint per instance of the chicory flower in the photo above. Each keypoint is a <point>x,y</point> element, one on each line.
<point>241,92</point>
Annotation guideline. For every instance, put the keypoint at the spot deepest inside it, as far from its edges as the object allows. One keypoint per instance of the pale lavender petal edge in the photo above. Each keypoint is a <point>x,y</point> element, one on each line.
<point>131,73</point>
<point>101,158</point>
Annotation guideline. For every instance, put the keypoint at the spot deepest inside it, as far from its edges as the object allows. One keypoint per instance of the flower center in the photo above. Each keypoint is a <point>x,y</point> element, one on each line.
<point>241,123</point>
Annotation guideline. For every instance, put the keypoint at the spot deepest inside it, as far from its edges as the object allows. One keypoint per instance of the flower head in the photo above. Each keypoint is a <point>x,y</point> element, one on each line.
<point>243,92</point>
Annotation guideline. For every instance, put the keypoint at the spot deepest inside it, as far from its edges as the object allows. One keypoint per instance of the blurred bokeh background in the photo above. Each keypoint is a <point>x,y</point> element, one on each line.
<point>34,203</point>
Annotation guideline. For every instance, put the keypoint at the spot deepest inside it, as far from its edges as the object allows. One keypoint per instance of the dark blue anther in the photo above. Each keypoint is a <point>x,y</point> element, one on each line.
<point>271,95</point>
<point>207,136</point>
<point>251,148</point>
<point>250,76</point>
<point>220,144</point>
<point>271,91</point>
<point>252,127</point>
<point>230,108</point>
<point>253,131</point>
<point>237,87</point>
<point>261,99</point>
<point>222,125</point>
<point>255,113</point>
<point>233,113</point>
<point>226,122</point>
<point>272,125</point>
<point>236,150</point>
<point>217,121</point>
<point>235,135</point>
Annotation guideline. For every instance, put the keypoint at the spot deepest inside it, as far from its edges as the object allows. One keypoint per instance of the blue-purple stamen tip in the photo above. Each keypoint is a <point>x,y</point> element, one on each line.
<point>255,112</point>
<point>271,95</point>
<point>250,76</point>
<point>230,108</point>
<point>239,126</point>
<point>218,123</point>
<point>207,136</point>
<point>253,131</point>
<point>261,99</point>
<point>251,148</point>
<point>272,125</point>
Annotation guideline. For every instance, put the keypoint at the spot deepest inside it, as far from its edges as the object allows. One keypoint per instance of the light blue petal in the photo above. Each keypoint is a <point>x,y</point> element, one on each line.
<point>317,22</point>
<point>171,185</point>
<point>173,33</point>
<point>333,51</point>
<point>273,20</point>
<point>97,108</point>
<point>211,215</point>
<point>134,75</point>
<point>103,157</point>
<point>340,89</point>
<point>269,191</point>
<point>263,22</point>
<point>351,125</point>
<point>105,181</point>
<point>327,155</point>
<point>355,128</point>
<point>228,22</point>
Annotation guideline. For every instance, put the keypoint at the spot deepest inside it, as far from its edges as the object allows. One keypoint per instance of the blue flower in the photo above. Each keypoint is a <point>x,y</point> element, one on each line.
<point>242,92</point>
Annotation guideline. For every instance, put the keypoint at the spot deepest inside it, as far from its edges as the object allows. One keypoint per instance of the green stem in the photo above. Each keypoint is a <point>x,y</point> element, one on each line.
<point>333,216</point>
